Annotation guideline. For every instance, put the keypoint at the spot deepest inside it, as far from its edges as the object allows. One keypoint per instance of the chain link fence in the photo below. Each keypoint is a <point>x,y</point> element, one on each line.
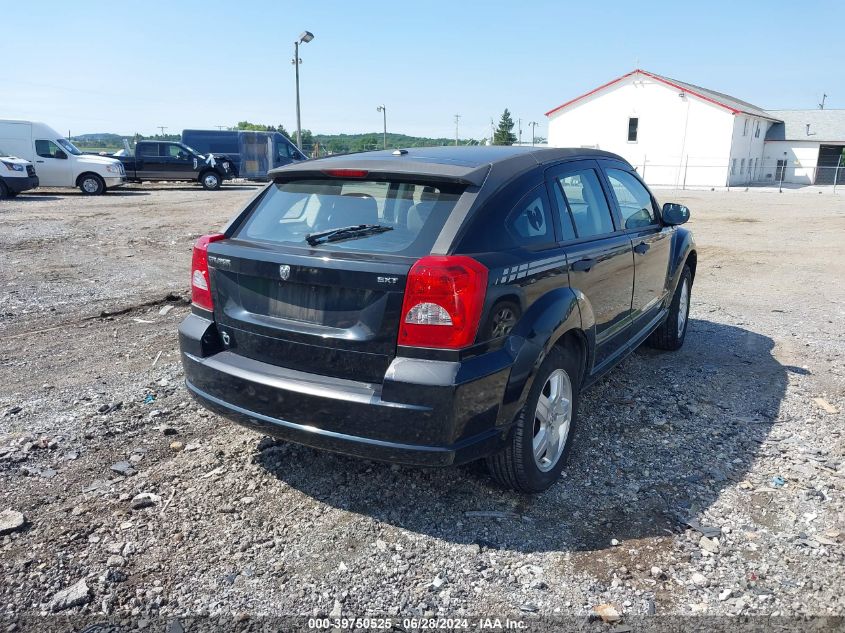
<point>696,173</point>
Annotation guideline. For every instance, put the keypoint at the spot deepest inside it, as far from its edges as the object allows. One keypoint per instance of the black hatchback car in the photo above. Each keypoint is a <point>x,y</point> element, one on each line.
<point>435,306</point>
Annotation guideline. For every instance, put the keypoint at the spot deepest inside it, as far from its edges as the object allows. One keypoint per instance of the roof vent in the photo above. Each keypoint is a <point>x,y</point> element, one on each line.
<point>399,152</point>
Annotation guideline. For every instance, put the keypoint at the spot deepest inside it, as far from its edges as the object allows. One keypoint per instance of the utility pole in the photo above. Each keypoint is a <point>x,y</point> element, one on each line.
<point>220,127</point>
<point>821,105</point>
<point>162,128</point>
<point>492,131</point>
<point>533,125</point>
<point>383,111</point>
<point>457,119</point>
<point>519,129</point>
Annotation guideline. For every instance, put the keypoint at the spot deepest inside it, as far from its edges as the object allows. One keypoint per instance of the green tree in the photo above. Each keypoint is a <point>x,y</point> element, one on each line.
<point>254,127</point>
<point>504,134</point>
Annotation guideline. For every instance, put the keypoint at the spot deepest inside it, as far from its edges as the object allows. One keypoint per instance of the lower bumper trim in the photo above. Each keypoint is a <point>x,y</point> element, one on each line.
<point>369,448</point>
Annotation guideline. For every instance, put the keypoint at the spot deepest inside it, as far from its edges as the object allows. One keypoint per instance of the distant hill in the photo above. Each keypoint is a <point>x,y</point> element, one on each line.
<point>100,138</point>
<point>337,143</point>
<point>327,143</point>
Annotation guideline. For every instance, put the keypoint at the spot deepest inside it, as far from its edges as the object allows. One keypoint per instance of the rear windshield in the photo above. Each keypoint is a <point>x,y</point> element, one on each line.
<point>413,212</point>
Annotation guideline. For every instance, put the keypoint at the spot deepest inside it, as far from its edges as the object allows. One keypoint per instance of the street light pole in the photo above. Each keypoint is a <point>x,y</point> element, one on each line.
<point>383,109</point>
<point>457,119</point>
<point>304,38</point>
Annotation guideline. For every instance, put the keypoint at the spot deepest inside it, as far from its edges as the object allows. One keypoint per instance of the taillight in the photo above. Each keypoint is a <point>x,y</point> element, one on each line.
<point>444,297</point>
<point>346,173</point>
<point>200,281</point>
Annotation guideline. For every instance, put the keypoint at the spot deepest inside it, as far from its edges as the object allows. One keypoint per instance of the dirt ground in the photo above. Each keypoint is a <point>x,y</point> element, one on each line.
<point>708,481</point>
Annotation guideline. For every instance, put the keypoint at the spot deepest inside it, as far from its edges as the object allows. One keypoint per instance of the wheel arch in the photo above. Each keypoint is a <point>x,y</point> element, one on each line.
<point>555,318</point>
<point>692,262</point>
<point>576,339</point>
<point>79,178</point>
<point>683,253</point>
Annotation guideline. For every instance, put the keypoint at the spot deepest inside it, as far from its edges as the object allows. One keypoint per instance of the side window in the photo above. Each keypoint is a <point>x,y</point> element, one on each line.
<point>46,149</point>
<point>148,150</point>
<point>176,151</point>
<point>586,202</point>
<point>633,198</point>
<point>529,222</point>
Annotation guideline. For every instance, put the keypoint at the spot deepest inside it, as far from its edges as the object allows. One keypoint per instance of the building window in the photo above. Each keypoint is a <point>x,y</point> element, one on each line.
<point>745,128</point>
<point>742,167</point>
<point>733,167</point>
<point>633,126</point>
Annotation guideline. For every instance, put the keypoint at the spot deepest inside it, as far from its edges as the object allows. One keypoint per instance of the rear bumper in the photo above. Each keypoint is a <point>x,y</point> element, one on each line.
<point>428,413</point>
<point>17,185</point>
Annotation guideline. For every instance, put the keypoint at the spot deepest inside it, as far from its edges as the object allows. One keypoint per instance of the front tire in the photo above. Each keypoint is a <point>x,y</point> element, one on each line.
<point>671,333</point>
<point>210,180</point>
<point>540,442</point>
<point>4,191</point>
<point>92,185</point>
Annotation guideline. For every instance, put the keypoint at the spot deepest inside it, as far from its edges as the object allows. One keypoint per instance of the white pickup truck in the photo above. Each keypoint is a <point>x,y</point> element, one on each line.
<point>16,175</point>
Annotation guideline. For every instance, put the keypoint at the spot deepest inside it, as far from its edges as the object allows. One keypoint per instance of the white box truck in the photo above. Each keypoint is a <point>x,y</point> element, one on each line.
<point>57,162</point>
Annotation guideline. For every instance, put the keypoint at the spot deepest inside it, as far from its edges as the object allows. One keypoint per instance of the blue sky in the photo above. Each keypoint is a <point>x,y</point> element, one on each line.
<point>96,66</point>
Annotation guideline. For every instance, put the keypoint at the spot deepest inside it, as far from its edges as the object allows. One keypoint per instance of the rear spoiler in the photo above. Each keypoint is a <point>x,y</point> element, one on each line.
<point>416,171</point>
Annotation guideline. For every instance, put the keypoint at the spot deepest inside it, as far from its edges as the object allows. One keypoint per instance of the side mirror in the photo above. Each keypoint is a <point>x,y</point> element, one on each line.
<point>60,154</point>
<point>674,213</point>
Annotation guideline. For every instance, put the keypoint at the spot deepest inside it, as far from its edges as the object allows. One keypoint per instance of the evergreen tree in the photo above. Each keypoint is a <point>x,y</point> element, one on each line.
<point>504,134</point>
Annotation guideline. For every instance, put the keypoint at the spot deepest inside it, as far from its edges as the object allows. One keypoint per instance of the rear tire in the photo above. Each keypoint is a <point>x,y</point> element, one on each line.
<point>540,442</point>
<point>671,333</point>
<point>210,180</point>
<point>503,318</point>
<point>92,185</point>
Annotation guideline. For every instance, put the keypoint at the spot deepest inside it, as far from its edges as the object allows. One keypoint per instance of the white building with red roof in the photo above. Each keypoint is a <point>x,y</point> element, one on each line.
<point>679,134</point>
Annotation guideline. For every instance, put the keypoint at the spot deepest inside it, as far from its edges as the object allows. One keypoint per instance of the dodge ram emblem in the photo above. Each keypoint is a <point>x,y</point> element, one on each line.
<point>284,272</point>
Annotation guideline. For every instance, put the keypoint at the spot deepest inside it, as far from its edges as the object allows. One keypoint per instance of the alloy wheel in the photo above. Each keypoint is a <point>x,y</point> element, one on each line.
<point>552,420</point>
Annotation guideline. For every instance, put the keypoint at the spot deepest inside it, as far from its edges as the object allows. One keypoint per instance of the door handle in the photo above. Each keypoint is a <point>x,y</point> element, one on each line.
<point>641,248</point>
<point>39,161</point>
<point>583,265</point>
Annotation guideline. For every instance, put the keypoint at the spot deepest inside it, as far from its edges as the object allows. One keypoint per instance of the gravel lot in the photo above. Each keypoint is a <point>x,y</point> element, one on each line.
<point>707,481</point>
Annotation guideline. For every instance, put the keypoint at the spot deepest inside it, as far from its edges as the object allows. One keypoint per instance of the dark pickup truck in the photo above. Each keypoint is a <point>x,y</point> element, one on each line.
<point>436,306</point>
<point>169,160</point>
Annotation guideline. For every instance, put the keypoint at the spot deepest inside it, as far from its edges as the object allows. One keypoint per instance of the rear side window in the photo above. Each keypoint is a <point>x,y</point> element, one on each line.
<point>413,212</point>
<point>633,198</point>
<point>148,149</point>
<point>586,203</point>
<point>529,222</point>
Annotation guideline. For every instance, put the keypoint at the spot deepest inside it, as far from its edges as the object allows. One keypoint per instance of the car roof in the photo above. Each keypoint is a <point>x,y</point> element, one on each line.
<point>465,164</point>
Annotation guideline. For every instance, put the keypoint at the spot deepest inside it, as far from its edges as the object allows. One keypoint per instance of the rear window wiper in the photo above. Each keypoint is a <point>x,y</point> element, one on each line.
<point>346,233</point>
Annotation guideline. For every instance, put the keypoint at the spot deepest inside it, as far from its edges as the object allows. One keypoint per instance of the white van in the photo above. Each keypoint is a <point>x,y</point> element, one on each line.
<point>57,162</point>
<point>16,175</point>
